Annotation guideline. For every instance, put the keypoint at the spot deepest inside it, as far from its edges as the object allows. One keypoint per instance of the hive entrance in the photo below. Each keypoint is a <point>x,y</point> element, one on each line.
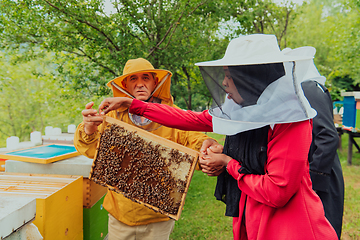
<point>144,170</point>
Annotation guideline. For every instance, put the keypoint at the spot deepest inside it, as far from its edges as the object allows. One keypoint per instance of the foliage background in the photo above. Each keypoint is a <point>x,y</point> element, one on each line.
<point>57,55</point>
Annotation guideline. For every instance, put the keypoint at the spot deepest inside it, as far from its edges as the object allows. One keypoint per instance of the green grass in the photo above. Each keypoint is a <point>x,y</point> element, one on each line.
<point>220,138</point>
<point>203,216</point>
<point>351,220</point>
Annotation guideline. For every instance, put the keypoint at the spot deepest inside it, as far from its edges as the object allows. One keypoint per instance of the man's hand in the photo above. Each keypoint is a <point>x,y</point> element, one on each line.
<point>113,103</point>
<point>91,119</point>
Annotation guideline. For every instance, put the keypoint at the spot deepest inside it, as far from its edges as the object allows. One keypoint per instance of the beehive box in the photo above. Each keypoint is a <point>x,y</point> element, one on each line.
<point>95,221</point>
<point>79,165</point>
<point>144,167</point>
<point>59,202</point>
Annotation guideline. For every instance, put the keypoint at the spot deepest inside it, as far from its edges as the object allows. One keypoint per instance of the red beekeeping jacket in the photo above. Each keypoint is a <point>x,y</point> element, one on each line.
<point>281,204</point>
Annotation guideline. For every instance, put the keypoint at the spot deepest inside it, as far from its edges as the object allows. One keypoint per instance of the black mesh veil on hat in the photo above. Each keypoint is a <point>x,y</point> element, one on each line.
<point>251,80</point>
<point>269,94</point>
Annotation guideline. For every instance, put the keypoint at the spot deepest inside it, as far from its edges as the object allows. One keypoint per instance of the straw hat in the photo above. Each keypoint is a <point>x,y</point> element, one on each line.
<point>138,65</point>
<point>253,49</point>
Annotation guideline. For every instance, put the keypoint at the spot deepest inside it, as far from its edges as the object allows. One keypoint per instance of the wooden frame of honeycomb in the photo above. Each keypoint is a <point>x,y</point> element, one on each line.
<point>144,167</point>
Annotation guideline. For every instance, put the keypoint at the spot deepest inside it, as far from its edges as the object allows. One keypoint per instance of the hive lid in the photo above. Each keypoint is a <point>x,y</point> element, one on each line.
<point>78,165</point>
<point>42,154</point>
<point>15,212</point>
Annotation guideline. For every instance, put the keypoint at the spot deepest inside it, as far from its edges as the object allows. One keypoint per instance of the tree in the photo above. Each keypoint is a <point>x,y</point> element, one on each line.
<point>332,27</point>
<point>264,17</point>
<point>31,97</point>
<point>348,52</point>
<point>162,31</point>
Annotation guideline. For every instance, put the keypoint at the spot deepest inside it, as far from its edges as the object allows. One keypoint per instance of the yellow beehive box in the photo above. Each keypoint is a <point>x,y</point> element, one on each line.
<point>59,202</point>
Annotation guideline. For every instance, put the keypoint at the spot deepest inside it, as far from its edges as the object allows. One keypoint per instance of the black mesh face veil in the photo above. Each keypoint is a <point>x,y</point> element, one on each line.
<point>213,77</point>
<point>249,80</point>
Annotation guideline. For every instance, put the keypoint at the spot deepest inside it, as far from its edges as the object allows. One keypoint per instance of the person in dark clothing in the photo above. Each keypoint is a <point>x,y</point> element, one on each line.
<point>325,168</point>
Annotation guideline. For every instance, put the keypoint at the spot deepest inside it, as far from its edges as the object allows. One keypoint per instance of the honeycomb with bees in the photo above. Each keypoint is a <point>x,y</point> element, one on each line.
<point>144,167</point>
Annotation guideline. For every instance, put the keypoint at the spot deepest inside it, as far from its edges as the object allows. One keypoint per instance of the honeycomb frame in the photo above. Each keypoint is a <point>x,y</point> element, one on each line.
<point>144,167</point>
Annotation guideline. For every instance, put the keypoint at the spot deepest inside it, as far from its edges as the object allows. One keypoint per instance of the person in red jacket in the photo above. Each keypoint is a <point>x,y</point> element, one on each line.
<point>263,169</point>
